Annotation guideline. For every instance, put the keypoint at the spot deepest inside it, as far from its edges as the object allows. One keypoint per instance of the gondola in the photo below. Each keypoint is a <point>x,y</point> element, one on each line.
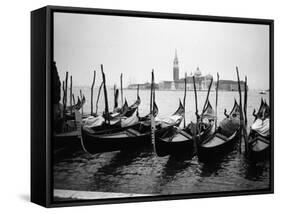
<point>115,117</point>
<point>99,126</point>
<point>78,105</point>
<point>178,142</point>
<point>131,110</point>
<point>259,137</point>
<point>224,139</point>
<point>69,115</point>
<point>206,124</point>
<point>126,110</point>
<point>122,117</point>
<point>125,116</point>
<point>123,138</point>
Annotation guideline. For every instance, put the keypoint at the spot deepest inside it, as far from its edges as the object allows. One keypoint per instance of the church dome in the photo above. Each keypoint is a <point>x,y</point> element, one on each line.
<point>209,76</point>
<point>197,73</point>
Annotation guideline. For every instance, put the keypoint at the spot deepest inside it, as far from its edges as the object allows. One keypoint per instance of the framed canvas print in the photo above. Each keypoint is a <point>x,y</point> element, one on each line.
<point>134,106</point>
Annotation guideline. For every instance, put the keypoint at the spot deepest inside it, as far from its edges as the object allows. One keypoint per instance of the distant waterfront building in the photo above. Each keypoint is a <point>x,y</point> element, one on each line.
<point>230,85</point>
<point>165,84</point>
<point>202,82</point>
<point>142,86</point>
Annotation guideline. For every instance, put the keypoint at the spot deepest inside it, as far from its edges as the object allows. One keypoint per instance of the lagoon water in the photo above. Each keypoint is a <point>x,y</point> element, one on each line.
<point>141,171</point>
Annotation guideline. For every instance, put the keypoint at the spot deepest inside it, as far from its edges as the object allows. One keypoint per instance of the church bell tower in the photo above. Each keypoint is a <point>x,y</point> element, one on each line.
<point>176,68</point>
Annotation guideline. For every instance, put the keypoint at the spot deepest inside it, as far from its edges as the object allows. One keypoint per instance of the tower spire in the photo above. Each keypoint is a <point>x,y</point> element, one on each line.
<point>176,67</point>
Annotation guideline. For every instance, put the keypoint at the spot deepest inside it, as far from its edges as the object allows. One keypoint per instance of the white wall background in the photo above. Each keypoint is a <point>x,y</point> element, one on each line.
<point>15,105</point>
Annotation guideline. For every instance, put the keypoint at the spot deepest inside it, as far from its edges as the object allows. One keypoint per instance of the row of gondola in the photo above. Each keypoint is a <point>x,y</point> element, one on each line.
<point>125,136</point>
<point>172,140</point>
<point>124,128</point>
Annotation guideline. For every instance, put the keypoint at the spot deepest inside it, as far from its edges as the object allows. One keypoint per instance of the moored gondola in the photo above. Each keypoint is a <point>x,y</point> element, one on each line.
<point>69,114</point>
<point>178,142</point>
<point>122,138</point>
<point>259,137</point>
<point>118,139</point>
<point>173,141</point>
<point>224,139</point>
<point>206,124</point>
<point>126,110</point>
<point>125,116</point>
<point>133,107</point>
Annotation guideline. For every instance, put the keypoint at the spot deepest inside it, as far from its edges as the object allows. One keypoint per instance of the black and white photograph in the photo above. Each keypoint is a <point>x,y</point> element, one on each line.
<point>147,106</point>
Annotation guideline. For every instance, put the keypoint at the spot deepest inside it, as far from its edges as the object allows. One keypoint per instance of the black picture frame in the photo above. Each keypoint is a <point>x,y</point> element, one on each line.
<point>41,111</point>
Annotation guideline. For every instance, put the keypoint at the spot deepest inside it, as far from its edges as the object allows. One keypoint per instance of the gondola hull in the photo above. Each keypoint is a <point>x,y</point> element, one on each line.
<point>224,139</point>
<point>204,134</point>
<point>217,146</point>
<point>183,145</point>
<point>122,140</point>
<point>259,138</point>
<point>259,148</point>
<point>164,148</point>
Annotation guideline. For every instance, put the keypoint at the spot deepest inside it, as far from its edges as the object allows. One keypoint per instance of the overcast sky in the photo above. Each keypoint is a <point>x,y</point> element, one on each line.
<point>134,46</point>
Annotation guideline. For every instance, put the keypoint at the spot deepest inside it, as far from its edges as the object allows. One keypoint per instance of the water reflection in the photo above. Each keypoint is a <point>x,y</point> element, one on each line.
<point>256,171</point>
<point>174,166</point>
<point>141,171</point>
<point>210,168</point>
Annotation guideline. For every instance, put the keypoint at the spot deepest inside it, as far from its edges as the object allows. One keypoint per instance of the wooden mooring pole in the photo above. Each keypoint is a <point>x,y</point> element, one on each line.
<point>97,102</point>
<point>245,113</point>
<point>245,100</point>
<point>242,121</point>
<point>138,91</point>
<point>184,98</point>
<point>151,91</point>
<point>70,95</point>
<point>116,96</point>
<point>114,93</point>
<point>63,99</point>
<point>73,97</point>
<point>196,128</point>
<point>151,113</point>
<point>196,103</point>
<point>81,98</point>
<point>66,81</point>
<point>217,93</point>
<point>121,88</point>
<point>92,93</point>
<point>105,97</point>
